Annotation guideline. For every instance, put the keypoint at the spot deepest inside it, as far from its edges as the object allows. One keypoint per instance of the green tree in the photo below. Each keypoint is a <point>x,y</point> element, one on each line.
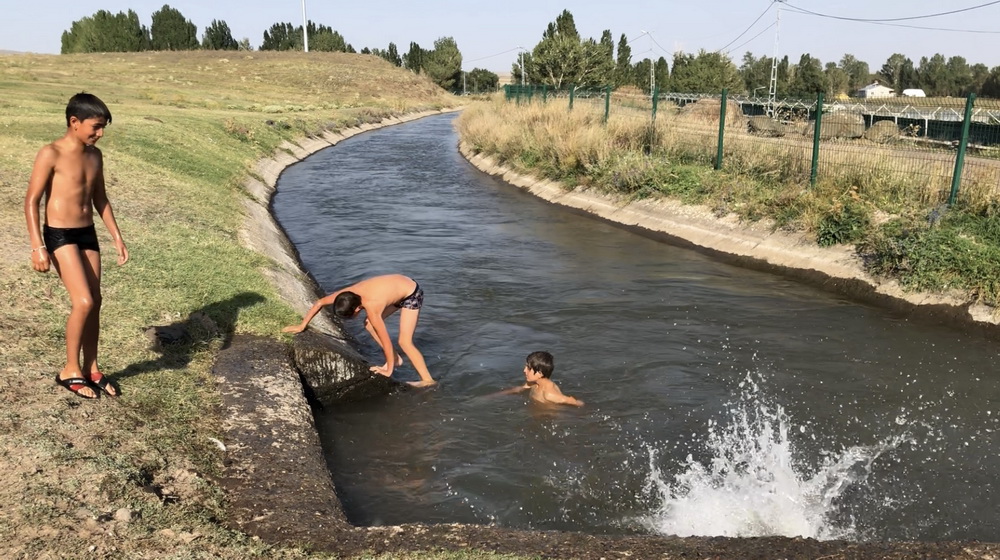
<point>960,79</point>
<point>480,80</point>
<point>756,74</point>
<point>808,79</point>
<point>443,65</point>
<point>706,72</point>
<point>323,38</point>
<point>218,37</point>
<point>561,58</point>
<point>991,86</point>
<point>245,44</point>
<point>106,32</point>
<point>392,55</point>
<point>933,76</point>
<point>282,37</point>
<point>837,80</point>
<point>980,73</point>
<point>413,60</point>
<point>171,32</point>
<point>898,72</point>
<point>857,71</point>
<point>623,64</point>
<point>661,74</point>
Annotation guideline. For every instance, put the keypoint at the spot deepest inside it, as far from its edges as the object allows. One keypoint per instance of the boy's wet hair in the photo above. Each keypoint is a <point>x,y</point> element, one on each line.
<point>541,362</point>
<point>345,303</point>
<point>85,106</point>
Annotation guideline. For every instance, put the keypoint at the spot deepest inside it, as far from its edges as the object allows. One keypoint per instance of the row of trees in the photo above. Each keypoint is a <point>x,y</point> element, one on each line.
<point>170,30</point>
<point>562,57</point>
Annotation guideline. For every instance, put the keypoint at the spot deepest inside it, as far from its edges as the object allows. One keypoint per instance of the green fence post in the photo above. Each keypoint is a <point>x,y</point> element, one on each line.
<point>956,178</point>
<point>656,97</point>
<point>607,102</point>
<point>545,94</point>
<point>572,91</point>
<point>506,92</point>
<point>819,122</point>
<point>722,128</point>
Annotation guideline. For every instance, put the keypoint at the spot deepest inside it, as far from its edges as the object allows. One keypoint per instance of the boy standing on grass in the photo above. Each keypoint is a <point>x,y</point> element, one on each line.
<point>69,173</point>
<point>538,370</point>
<point>380,297</point>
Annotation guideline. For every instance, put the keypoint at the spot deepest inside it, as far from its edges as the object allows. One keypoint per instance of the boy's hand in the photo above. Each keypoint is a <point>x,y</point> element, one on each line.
<point>122,252</point>
<point>40,260</point>
<point>293,329</point>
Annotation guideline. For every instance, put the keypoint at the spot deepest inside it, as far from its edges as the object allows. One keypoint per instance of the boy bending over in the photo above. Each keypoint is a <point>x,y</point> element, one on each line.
<point>380,297</point>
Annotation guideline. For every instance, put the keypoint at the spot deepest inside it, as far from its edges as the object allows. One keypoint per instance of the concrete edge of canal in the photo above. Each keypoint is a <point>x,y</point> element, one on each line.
<point>753,245</point>
<point>276,477</point>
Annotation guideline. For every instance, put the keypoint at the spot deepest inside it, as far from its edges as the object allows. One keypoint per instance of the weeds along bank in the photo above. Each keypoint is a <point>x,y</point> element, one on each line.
<point>134,477</point>
<point>896,224</point>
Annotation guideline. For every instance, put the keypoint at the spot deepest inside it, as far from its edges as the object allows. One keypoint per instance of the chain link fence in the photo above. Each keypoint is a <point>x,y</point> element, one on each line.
<point>928,151</point>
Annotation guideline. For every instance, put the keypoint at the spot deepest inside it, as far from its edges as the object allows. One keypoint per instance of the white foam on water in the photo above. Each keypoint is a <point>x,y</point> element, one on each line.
<point>750,484</point>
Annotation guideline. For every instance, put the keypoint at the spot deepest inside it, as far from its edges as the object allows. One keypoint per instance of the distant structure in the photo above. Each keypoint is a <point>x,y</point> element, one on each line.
<point>914,93</point>
<point>504,78</point>
<point>874,90</point>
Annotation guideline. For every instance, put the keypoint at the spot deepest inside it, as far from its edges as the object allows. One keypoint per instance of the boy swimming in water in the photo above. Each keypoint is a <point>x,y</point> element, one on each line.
<point>538,370</point>
<point>380,297</point>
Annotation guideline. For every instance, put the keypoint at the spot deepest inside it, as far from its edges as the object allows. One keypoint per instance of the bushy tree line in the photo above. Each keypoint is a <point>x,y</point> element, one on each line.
<point>562,58</point>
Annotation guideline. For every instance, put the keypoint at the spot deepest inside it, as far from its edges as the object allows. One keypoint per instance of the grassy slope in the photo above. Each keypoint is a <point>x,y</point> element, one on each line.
<point>186,129</point>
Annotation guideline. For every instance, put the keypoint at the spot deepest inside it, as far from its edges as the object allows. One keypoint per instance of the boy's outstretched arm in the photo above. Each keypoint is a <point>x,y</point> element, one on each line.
<point>514,390</point>
<point>41,175</point>
<point>327,300</point>
<point>103,207</point>
<point>560,398</point>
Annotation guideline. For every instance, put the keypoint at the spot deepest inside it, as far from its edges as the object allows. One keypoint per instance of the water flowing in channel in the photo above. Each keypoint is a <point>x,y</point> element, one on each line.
<point>719,400</point>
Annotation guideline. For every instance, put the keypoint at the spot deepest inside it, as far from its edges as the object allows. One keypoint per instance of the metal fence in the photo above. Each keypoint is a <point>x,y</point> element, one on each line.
<point>937,150</point>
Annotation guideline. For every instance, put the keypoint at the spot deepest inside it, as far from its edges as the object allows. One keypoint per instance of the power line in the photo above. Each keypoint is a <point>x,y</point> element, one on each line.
<point>493,55</point>
<point>878,22</point>
<point>752,38</point>
<point>870,20</point>
<point>750,26</point>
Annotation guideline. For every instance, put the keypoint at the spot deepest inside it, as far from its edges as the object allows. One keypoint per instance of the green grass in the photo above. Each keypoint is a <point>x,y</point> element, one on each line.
<point>186,131</point>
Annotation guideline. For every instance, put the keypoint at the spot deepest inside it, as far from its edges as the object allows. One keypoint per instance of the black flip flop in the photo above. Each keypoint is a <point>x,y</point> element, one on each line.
<point>102,383</point>
<point>74,384</point>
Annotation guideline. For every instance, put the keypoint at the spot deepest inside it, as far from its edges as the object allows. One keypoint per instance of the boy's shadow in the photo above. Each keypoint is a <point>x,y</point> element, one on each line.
<point>177,342</point>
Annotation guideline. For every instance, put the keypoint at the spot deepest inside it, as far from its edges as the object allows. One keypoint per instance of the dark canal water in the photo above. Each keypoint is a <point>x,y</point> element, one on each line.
<point>720,400</point>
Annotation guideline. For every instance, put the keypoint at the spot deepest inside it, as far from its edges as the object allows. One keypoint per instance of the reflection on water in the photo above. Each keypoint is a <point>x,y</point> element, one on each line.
<point>773,407</point>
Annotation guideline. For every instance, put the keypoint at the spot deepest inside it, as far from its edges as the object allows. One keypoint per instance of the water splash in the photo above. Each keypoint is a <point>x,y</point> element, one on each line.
<point>751,484</point>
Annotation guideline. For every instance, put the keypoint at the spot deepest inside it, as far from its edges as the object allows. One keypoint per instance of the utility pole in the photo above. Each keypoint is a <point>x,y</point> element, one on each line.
<point>652,77</point>
<point>773,89</point>
<point>520,56</point>
<point>305,28</point>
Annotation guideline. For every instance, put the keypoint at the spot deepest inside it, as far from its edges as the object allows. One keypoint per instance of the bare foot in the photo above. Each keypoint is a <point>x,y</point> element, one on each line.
<point>75,382</point>
<point>381,370</point>
<point>430,383</point>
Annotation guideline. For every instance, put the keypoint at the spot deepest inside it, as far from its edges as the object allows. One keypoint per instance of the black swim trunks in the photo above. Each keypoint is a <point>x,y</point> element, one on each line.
<point>83,237</point>
<point>412,301</point>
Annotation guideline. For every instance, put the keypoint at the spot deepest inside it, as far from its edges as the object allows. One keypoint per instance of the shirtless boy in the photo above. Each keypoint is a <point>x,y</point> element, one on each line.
<point>69,174</point>
<point>538,370</point>
<point>380,297</point>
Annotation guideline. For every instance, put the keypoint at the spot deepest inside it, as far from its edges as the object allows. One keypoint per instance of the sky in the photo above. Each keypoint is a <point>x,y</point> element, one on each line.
<point>490,34</point>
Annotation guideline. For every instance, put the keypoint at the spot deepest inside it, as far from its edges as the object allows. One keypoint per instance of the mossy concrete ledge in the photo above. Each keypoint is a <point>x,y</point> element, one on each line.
<point>334,372</point>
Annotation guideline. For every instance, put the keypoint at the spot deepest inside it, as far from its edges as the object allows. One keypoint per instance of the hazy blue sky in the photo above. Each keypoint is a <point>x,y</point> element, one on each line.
<point>489,33</point>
